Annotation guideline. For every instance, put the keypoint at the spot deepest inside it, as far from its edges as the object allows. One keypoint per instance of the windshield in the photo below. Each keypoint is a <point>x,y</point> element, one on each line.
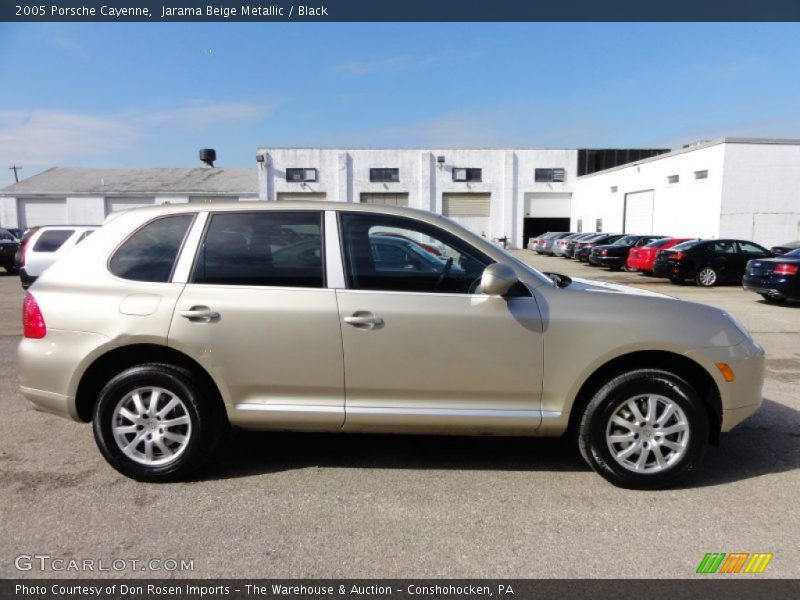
<point>628,240</point>
<point>658,243</point>
<point>5,235</point>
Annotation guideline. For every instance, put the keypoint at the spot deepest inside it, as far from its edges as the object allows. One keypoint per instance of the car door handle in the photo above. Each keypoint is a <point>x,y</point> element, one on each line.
<point>364,320</point>
<point>200,313</point>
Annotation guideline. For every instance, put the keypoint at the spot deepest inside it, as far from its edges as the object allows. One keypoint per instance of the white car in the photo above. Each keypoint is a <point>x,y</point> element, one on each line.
<point>46,246</point>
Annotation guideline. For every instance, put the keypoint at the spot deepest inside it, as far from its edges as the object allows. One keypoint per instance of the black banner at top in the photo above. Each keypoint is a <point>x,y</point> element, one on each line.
<point>397,10</point>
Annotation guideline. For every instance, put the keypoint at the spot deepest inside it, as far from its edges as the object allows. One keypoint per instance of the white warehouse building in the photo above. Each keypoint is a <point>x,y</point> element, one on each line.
<point>740,188</point>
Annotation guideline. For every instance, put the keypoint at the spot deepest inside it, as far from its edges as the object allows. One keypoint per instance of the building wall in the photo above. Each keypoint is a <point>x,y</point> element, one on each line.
<point>507,174</point>
<point>761,193</point>
<point>688,208</point>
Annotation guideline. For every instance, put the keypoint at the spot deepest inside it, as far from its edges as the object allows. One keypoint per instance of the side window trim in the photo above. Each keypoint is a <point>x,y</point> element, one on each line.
<point>188,252</point>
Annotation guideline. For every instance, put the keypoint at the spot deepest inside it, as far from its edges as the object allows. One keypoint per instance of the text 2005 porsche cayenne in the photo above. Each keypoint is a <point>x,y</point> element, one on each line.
<point>172,323</point>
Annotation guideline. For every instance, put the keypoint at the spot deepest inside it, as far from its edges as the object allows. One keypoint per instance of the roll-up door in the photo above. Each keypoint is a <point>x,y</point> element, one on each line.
<point>385,199</point>
<point>35,212</point>
<point>473,211</point>
<point>639,212</point>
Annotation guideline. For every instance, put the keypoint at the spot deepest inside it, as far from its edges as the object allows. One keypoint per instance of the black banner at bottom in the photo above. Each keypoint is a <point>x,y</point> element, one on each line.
<point>722,588</point>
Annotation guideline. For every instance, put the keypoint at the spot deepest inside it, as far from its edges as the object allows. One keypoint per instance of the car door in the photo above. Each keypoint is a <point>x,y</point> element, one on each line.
<point>423,349</point>
<point>256,314</point>
<point>722,256</point>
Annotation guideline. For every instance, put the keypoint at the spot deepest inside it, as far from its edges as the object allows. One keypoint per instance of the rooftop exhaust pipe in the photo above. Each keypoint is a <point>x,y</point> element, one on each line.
<point>208,156</point>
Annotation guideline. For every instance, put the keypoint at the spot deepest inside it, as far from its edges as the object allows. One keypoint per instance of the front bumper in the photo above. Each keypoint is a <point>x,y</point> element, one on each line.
<point>607,261</point>
<point>741,397</point>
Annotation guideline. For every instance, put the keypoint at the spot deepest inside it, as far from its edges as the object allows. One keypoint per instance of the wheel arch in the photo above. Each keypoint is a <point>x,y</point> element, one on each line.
<point>678,364</point>
<point>107,365</point>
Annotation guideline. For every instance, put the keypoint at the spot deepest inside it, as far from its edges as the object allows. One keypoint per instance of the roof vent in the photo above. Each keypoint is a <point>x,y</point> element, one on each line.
<point>208,156</point>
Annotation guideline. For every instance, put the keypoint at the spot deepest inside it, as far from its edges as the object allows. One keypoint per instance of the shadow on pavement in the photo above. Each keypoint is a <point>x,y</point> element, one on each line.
<point>769,442</point>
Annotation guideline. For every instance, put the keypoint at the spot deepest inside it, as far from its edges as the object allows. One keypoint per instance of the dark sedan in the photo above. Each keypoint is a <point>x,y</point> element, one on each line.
<point>569,250</point>
<point>784,248</point>
<point>776,279</point>
<point>614,256</point>
<point>9,245</point>
<point>707,262</point>
<point>583,249</point>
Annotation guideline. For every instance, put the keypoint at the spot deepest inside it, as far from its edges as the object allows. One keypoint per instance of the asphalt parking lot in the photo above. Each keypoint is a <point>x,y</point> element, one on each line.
<point>312,505</point>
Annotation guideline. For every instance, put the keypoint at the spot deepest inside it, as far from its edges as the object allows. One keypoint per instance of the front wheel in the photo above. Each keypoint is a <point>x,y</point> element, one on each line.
<point>154,423</point>
<point>644,429</point>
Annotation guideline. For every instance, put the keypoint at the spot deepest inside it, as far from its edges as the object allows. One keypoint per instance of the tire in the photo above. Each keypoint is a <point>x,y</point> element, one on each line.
<point>199,421</point>
<point>688,417</point>
<point>774,299</point>
<point>707,277</point>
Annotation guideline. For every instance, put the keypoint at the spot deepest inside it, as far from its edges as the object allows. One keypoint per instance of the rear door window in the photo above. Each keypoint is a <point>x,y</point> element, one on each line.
<point>52,240</point>
<point>150,253</point>
<point>264,248</point>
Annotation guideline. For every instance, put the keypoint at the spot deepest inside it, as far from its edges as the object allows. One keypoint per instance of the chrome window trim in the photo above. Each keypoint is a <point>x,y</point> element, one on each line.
<point>334,266</point>
<point>183,267</point>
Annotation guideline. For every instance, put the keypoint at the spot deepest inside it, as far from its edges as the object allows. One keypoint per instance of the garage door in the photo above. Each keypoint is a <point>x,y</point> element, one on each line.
<point>207,199</point>
<point>385,199</point>
<point>301,196</point>
<point>37,212</point>
<point>470,210</point>
<point>639,212</point>
<point>117,204</point>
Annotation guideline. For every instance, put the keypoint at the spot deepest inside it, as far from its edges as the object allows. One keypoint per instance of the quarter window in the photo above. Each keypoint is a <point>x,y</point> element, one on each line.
<point>50,241</point>
<point>150,253</point>
<point>265,248</point>
<point>383,252</point>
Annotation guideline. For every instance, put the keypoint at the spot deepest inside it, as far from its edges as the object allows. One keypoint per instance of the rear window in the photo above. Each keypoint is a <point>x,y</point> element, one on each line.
<point>794,253</point>
<point>658,243</point>
<point>686,245</point>
<point>150,253</point>
<point>52,240</point>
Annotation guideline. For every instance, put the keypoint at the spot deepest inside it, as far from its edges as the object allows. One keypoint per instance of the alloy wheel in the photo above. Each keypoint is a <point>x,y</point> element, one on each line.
<point>707,277</point>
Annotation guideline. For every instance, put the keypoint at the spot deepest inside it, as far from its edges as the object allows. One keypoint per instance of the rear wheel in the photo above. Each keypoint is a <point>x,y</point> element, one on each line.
<point>645,429</point>
<point>706,277</point>
<point>155,423</point>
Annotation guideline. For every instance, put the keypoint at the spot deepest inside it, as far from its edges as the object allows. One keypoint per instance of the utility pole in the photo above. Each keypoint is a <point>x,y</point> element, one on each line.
<point>15,168</point>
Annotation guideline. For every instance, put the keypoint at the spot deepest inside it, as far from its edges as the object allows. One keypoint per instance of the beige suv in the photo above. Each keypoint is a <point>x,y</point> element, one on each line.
<point>172,323</point>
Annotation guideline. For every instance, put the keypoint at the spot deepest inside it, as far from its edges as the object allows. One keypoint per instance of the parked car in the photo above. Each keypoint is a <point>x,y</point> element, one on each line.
<point>776,279</point>
<point>560,246</point>
<point>16,232</point>
<point>784,248</point>
<point>707,262</point>
<point>583,249</point>
<point>429,247</point>
<point>47,245</point>
<point>541,241</point>
<point>9,244</point>
<point>569,252</point>
<point>615,255</point>
<point>548,246</point>
<point>145,332</point>
<point>642,258</point>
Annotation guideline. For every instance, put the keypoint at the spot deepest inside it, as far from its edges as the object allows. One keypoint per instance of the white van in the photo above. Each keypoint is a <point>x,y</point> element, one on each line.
<point>46,246</point>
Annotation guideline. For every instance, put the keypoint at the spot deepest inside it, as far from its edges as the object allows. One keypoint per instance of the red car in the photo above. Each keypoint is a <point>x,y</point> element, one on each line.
<point>641,259</point>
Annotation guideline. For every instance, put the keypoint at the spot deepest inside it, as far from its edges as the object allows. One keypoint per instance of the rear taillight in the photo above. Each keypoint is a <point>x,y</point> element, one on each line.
<point>33,325</point>
<point>678,256</point>
<point>785,269</point>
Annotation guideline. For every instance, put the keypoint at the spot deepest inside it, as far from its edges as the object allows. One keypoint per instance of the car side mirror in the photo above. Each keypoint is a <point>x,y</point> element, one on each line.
<point>498,279</point>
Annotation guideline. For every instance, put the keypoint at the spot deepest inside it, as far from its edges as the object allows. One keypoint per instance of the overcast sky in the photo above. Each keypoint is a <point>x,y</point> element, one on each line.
<point>153,94</point>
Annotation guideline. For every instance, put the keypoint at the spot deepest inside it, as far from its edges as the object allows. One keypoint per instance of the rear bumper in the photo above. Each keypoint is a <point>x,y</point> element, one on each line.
<point>781,287</point>
<point>25,279</point>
